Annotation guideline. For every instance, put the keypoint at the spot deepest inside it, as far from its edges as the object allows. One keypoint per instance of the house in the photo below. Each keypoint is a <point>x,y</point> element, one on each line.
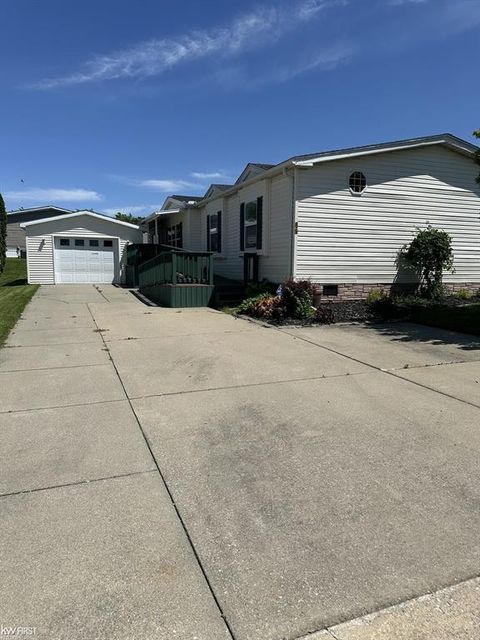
<point>78,247</point>
<point>176,224</point>
<point>338,217</point>
<point>15,233</point>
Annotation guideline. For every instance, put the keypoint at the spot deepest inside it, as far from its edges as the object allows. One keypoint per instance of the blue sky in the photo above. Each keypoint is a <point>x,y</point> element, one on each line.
<point>113,104</point>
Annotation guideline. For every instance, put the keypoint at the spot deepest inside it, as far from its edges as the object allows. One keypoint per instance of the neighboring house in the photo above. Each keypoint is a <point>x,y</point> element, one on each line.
<point>79,247</point>
<point>338,218</point>
<point>16,235</point>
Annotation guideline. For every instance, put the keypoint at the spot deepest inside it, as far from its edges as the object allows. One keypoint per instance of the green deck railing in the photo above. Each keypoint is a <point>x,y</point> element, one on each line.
<point>177,267</point>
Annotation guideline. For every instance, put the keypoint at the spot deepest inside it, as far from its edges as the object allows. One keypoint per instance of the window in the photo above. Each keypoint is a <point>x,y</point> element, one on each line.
<point>330,290</point>
<point>64,242</point>
<point>79,242</point>
<point>214,232</point>
<point>174,236</point>
<point>357,182</point>
<point>93,243</point>
<point>251,224</point>
<point>108,243</point>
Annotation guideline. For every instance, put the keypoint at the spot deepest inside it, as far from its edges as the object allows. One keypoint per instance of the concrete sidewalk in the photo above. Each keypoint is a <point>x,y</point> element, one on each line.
<point>183,474</point>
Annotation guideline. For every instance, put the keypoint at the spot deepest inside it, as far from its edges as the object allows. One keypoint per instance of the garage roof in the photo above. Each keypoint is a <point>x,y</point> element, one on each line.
<point>80,213</point>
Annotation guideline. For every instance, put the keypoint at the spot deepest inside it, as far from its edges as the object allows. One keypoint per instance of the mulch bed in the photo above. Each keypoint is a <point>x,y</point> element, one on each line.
<point>360,311</point>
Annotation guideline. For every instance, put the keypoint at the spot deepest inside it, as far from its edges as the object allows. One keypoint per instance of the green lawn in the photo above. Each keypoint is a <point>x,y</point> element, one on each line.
<point>465,319</point>
<point>14,294</point>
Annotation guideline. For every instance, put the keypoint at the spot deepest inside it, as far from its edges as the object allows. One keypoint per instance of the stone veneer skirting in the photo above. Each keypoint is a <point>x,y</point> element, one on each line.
<point>358,291</point>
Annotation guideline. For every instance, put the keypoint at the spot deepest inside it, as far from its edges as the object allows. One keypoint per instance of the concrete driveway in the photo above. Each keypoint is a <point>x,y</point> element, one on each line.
<point>183,474</point>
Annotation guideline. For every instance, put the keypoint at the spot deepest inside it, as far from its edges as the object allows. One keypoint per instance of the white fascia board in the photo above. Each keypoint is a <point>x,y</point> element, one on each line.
<point>68,216</point>
<point>159,214</point>
<point>313,161</point>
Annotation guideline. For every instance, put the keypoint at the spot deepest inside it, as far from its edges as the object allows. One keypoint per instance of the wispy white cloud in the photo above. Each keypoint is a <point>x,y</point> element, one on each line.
<point>326,60</point>
<point>48,196</point>
<point>399,3</point>
<point>240,77</point>
<point>163,185</point>
<point>166,185</point>
<point>460,15</point>
<point>214,175</point>
<point>250,31</point>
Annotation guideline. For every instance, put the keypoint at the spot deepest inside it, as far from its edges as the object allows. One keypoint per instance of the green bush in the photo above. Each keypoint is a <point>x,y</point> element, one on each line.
<point>297,299</point>
<point>295,302</point>
<point>463,294</point>
<point>430,253</point>
<point>375,296</point>
<point>263,305</point>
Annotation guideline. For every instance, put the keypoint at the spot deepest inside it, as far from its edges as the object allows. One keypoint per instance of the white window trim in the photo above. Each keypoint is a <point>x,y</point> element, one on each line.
<point>357,194</point>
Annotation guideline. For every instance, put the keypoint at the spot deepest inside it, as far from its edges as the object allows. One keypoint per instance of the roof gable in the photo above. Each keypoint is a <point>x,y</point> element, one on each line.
<point>77,214</point>
<point>252,170</point>
<point>446,139</point>
<point>176,201</point>
<point>216,188</point>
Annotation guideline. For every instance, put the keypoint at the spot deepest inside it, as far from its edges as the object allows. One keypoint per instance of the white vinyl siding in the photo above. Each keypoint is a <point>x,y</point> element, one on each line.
<point>194,232</point>
<point>275,255</point>
<point>40,259</point>
<point>276,265</point>
<point>229,263</point>
<point>345,238</point>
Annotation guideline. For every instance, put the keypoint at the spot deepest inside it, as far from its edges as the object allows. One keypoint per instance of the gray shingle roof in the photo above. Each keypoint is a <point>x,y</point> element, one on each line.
<point>185,198</point>
<point>382,145</point>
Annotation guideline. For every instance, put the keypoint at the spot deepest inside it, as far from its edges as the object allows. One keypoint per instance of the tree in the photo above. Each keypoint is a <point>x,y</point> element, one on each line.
<point>128,217</point>
<point>3,234</point>
<point>477,155</point>
<point>430,253</point>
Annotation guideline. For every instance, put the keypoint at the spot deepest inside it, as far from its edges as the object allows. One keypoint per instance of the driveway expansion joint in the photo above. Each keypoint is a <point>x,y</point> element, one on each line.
<point>61,406</point>
<point>252,385</point>
<point>76,483</point>
<point>408,367</point>
<point>72,366</point>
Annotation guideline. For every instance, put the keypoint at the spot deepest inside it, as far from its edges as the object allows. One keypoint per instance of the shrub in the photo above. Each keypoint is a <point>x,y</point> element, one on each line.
<point>297,299</point>
<point>463,294</point>
<point>375,296</point>
<point>260,306</point>
<point>295,302</point>
<point>430,253</point>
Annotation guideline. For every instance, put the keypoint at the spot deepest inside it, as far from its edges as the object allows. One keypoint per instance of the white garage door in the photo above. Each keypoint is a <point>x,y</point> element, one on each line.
<point>84,260</point>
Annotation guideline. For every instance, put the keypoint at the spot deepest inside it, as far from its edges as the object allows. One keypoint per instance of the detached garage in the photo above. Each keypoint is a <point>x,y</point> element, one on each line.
<point>81,247</point>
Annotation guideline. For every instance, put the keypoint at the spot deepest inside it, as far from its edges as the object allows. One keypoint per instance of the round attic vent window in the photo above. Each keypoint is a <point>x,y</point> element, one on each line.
<point>357,182</point>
